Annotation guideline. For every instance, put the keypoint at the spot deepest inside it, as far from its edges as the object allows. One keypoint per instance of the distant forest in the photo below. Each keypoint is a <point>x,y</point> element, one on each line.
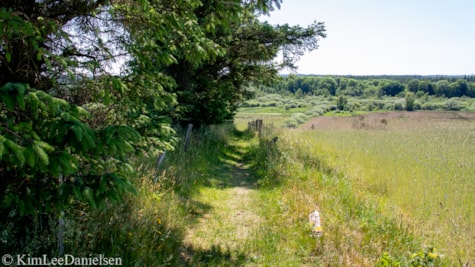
<point>370,86</point>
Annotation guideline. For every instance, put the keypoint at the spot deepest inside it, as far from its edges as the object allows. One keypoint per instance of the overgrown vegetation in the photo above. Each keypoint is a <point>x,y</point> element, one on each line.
<point>87,88</point>
<point>418,167</point>
<point>285,178</point>
<point>148,227</point>
<point>355,231</point>
<point>300,107</point>
<point>92,92</point>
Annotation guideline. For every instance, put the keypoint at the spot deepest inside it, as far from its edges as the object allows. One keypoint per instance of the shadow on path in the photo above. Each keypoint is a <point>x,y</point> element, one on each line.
<point>236,163</point>
<point>229,194</point>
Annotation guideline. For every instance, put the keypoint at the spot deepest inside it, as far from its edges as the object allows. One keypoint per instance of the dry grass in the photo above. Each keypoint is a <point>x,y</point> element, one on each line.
<point>234,200</point>
<point>419,166</point>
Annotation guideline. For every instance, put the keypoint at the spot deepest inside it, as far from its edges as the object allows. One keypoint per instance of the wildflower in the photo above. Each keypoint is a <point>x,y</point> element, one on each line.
<point>433,255</point>
<point>159,221</point>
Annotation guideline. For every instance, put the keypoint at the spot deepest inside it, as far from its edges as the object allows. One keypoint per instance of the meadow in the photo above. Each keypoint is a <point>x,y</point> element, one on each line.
<point>392,188</point>
<point>420,167</point>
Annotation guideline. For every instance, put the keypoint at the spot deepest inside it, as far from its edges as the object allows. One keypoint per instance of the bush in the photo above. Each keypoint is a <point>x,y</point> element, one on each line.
<point>410,100</point>
<point>371,106</point>
<point>272,104</point>
<point>315,112</point>
<point>300,118</point>
<point>389,106</point>
<point>417,105</point>
<point>250,104</point>
<point>454,105</point>
<point>398,106</point>
<point>290,124</point>
<point>290,106</point>
<point>342,102</point>
<point>433,106</point>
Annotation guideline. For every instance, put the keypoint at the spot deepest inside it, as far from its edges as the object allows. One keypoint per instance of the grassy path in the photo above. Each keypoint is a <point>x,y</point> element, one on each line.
<point>245,202</point>
<point>220,236</point>
<point>250,208</point>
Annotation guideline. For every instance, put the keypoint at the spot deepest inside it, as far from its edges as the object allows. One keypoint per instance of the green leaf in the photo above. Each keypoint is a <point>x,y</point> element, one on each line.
<point>88,138</point>
<point>17,150</point>
<point>8,101</point>
<point>47,147</point>
<point>8,57</point>
<point>54,168</point>
<point>103,183</point>
<point>2,147</point>
<point>82,112</point>
<point>65,116</point>
<point>21,208</point>
<point>88,195</point>
<point>42,156</point>
<point>67,162</point>
<point>127,147</point>
<point>119,86</point>
<point>77,132</point>
<point>33,102</point>
<point>29,156</point>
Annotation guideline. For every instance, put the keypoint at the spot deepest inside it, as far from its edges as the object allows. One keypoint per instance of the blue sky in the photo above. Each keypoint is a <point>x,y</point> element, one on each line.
<point>386,36</point>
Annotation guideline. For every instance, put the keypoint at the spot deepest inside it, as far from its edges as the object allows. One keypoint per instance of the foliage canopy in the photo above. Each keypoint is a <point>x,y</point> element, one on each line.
<point>86,85</point>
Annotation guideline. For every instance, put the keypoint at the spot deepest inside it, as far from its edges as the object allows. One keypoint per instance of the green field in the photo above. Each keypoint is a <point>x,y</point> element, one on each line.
<point>415,169</point>
<point>392,188</point>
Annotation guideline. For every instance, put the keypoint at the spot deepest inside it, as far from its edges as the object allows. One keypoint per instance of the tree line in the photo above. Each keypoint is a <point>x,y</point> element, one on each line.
<point>375,86</point>
<point>87,84</point>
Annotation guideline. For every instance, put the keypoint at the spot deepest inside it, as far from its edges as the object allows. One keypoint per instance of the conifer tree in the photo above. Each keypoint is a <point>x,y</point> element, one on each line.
<point>71,120</point>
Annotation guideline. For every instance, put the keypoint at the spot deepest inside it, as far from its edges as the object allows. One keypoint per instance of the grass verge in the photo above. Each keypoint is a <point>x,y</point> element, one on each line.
<point>235,200</point>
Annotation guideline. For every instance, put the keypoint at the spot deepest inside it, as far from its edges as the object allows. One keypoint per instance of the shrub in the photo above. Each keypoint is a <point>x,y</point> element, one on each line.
<point>272,104</point>
<point>314,112</point>
<point>371,106</point>
<point>454,105</point>
<point>389,106</point>
<point>342,102</point>
<point>433,106</point>
<point>417,105</point>
<point>300,118</point>
<point>410,100</point>
<point>290,123</point>
<point>398,106</point>
<point>290,106</point>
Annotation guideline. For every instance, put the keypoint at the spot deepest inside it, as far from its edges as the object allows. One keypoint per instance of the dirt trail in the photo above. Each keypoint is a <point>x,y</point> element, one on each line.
<point>222,233</point>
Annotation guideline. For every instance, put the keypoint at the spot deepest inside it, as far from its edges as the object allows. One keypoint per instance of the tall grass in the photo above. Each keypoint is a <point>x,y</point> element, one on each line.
<point>372,189</point>
<point>148,228</point>
<point>422,175</point>
<point>356,232</point>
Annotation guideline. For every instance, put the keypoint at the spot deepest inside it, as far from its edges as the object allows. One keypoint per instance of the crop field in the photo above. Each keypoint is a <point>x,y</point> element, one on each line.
<point>419,166</point>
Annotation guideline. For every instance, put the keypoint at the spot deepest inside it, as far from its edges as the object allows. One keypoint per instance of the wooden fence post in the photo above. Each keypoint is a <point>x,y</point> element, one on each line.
<point>159,162</point>
<point>162,155</point>
<point>255,126</point>
<point>259,126</point>
<point>60,233</point>
<point>188,135</point>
